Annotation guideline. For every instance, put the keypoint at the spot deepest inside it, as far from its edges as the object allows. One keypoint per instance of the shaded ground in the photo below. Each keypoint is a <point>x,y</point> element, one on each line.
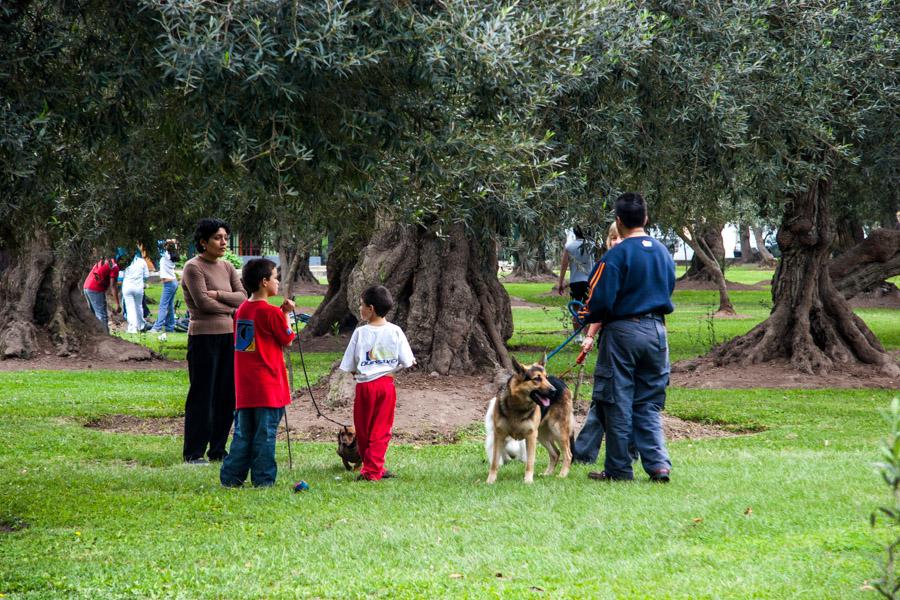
<point>682,285</point>
<point>520,303</point>
<point>886,298</point>
<point>702,373</point>
<point>430,410</point>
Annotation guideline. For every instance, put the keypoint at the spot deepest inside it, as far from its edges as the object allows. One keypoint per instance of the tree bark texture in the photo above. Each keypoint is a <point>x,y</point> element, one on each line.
<point>698,270</point>
<point>705,254</point>
<point>447,297</point>
<point>848,234</point>
<point>811,323</point>
<point>867,264</point>
<point>42,306</point>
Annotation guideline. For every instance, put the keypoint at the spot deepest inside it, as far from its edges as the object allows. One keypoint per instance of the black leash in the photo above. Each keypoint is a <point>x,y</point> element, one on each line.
<point>304,318</point>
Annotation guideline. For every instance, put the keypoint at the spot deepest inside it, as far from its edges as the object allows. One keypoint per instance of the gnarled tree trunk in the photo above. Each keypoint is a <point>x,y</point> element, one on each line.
<point>334,311</point>
<point>706,255</point>
<point>294,268</point>
<point>765,257</point>
<point>699,270</point>
<point>867,264</point>
<point>811,323</point>
<point>530,261</point>
<point>447,297</point>
<point>747,253</point>
<point>42,307</point>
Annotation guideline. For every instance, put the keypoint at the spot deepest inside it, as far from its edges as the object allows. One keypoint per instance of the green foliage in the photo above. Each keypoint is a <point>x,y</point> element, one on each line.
<point>889,469</point>
<point>233,258</point>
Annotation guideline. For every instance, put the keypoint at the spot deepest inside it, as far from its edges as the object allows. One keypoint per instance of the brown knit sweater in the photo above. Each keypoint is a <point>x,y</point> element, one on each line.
<point>211,315</point>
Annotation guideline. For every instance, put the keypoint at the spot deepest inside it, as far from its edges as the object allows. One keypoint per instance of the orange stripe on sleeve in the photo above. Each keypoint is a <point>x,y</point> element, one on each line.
<point>593,283</point>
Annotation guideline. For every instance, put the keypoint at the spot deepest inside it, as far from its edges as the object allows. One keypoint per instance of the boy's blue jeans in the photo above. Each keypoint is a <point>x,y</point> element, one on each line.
<point>97,300</point>
<point>165,319</point>
<point>630,383</point>
<point>252,448</point>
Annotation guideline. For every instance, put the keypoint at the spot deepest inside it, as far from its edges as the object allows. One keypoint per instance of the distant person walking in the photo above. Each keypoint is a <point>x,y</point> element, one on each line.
<point>578,259</point>
<point>102,279</point>
<point>630,294</point>
<point>134,277</point>
<point>165,318</point>
<point>213,292</point>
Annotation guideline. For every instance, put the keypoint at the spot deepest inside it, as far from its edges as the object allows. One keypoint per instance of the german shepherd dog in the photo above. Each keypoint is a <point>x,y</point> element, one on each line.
<point>537,408</point>
<point>347,449</point>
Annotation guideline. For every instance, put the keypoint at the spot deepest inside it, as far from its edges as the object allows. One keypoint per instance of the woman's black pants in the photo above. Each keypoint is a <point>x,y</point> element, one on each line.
<point>209,409</point>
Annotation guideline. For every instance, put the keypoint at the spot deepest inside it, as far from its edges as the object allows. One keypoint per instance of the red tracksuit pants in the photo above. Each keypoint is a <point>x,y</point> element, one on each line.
<point>373,418</point>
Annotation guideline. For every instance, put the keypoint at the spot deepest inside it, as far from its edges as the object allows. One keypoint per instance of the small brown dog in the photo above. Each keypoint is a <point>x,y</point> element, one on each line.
<point>347,449</point>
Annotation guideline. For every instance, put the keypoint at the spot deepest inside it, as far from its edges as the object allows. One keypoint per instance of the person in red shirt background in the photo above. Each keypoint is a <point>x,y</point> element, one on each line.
<point>261,388</point>
<point>101,280</point>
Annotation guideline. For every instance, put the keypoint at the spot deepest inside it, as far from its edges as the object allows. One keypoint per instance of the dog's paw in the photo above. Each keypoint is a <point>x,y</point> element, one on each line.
<point>529,478</point>
<point>491,479</point>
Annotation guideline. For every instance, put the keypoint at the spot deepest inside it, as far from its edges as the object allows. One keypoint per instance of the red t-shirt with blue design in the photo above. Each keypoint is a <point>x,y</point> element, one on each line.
<point>261,331</point>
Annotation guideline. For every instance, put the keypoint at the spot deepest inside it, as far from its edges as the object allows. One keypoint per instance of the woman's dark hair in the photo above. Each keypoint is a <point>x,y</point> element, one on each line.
<point>254,272</point>
<point>630,208</point>
<point>206,228</point>
<point>579,233</point>
<point>379,298</point>
<point>172,249</point>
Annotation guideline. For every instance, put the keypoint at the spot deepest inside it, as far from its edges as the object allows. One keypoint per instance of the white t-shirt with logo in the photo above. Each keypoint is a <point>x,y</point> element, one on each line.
<point>374,352</point>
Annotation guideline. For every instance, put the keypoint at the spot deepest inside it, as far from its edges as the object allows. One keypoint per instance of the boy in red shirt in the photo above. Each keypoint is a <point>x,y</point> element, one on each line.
<point>260,380</point>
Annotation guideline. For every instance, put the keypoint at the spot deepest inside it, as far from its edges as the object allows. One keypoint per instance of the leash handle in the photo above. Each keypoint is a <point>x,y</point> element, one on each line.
<point>581,357</point>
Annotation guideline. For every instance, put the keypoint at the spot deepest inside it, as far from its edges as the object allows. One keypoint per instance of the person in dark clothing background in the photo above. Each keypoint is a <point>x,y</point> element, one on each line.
<point>630,294</point>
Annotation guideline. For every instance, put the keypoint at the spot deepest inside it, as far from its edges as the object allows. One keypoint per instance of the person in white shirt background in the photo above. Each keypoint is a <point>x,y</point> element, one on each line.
<point>165,318</point>
<point>133,279</point>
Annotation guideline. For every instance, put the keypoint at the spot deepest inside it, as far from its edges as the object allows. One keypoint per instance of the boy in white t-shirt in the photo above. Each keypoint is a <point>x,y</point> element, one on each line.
<point>376,350</point>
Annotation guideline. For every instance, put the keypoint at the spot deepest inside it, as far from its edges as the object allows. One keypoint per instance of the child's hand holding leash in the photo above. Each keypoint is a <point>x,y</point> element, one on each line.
<point>288,306</point>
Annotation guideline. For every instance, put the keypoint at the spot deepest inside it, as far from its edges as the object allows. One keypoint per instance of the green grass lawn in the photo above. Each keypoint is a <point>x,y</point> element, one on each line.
<point>112,515</point>
<point>780,513</point>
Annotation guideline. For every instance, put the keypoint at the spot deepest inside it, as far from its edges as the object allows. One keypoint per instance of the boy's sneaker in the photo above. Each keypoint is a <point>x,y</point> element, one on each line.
<point>162,337</point>
<point>197,462</point>
<point>388,475</point>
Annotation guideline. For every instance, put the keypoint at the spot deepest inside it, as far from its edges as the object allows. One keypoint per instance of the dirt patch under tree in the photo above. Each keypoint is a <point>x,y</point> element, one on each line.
<point>430,410</point>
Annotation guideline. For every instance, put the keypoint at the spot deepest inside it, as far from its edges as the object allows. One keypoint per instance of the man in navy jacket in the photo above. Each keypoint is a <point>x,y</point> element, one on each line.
<point>630,292</point>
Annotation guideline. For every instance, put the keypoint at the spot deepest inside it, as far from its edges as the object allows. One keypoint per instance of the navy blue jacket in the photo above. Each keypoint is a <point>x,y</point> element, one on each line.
<point>634,278</point>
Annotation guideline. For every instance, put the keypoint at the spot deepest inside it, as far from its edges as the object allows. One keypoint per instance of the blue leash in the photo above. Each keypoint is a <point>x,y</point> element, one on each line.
<point>573,306</point>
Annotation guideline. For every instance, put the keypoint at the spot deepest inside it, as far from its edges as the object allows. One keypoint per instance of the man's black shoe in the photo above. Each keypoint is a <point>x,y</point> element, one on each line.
<point>604,476</point>
<point>661,476</point>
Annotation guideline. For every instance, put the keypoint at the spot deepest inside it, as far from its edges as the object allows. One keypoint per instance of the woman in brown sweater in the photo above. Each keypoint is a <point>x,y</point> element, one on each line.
<point>212,292</point>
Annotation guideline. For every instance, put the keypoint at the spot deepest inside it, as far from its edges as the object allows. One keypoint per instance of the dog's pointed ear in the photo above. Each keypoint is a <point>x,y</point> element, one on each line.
<point>517,366</point>
<point>543,361</point>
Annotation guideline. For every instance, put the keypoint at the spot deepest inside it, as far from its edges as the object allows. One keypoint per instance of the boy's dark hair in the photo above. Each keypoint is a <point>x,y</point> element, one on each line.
<point>254,272</point>
<point>630,208</point>
<point>379,298</point>
<point>206,228</point>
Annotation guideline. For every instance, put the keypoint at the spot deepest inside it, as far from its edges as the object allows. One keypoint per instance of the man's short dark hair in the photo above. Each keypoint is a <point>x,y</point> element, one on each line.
<point>631,210</point>
<point>254,272</point>
<point>206,228</point>
<point>379,298</point>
